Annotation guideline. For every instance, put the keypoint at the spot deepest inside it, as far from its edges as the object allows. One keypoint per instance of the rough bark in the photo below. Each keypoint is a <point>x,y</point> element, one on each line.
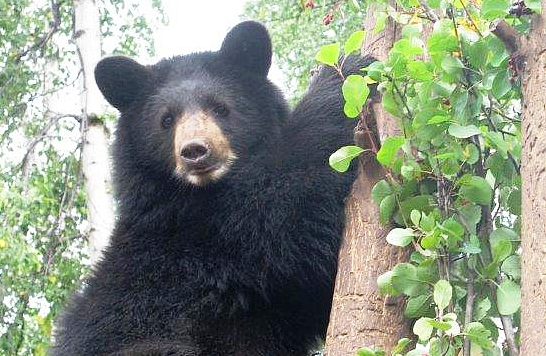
<point>533,172</point>
<point>360,315</point>
<point>95,156</point>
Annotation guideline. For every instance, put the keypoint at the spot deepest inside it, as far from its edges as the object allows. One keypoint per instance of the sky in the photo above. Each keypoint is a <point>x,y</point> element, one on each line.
<point>196,26</point>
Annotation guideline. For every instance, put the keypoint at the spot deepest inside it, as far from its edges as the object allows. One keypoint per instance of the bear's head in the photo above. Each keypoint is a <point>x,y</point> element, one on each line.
<point>192,117</point>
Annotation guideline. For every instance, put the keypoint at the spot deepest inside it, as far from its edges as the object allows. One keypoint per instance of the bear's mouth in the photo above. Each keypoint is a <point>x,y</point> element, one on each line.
<point>201,176</point>
<point>204,169</point>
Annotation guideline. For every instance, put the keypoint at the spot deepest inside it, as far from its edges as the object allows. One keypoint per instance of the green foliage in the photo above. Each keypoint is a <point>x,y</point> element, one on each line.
<point>43,228</point>
<point>341,159</point>
<point>453,186</point>
<point>297,31</point>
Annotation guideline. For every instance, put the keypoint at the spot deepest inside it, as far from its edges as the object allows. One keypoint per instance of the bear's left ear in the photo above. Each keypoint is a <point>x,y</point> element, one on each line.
<point>121,80</point>
<point>248,45</point>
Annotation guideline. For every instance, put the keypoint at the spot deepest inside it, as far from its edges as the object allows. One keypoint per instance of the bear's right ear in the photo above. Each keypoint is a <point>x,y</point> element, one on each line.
<point>121,80</point>
<point>248,46</point>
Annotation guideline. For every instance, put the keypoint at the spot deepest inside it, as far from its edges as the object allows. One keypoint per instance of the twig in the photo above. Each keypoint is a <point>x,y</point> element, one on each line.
<point>432,16</point>
<point>508,329</point>
<point>486,227</point>
<point>469,307</point>
<point>42,41</point>
<point>43,134</point>
<point>470,18</point>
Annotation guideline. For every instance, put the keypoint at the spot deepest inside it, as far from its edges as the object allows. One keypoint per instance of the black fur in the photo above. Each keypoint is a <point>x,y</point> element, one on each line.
<point>244,266</point>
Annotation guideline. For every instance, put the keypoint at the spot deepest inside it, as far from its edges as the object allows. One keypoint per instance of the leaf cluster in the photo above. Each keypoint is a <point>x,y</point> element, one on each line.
<point>452,183</point>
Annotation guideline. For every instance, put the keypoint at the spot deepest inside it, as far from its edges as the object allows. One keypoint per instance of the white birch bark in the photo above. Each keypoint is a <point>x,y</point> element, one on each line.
<point>95,149</point>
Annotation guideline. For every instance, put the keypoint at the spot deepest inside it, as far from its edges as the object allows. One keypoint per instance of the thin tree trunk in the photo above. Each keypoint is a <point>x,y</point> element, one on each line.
<point>95,155</point>
<point>533,172</point>
<point>360,315</point>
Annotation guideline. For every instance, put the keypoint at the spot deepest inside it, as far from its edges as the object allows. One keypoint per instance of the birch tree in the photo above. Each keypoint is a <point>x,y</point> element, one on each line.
<point>44,131</point>
<point>95,139</point>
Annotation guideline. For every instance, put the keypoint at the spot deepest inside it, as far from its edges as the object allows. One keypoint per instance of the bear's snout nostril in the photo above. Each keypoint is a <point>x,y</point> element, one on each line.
<point>195,151</point>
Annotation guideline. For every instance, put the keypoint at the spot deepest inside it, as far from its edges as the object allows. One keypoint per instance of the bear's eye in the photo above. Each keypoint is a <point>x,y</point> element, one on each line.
<point>167,120</point>
<point>220,110</point>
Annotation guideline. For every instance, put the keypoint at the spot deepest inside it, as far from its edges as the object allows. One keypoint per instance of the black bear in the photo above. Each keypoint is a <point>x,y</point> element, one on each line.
<point>229,217</point>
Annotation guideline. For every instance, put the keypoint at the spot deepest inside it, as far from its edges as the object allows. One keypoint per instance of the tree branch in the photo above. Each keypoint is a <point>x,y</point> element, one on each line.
<point>507,34</point>
<point>42,41</point>
<point>469,307</point>
<point>41,135</point>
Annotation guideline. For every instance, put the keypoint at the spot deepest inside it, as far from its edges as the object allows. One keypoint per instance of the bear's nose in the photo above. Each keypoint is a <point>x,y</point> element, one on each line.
<point>195,151</point>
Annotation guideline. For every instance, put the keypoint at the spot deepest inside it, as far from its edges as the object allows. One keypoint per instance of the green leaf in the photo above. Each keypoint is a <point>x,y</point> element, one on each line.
<point>400,237</point>
<point>355,5</point>
<point>386,208</point>
<point>452,65</point>
<point>329,54</point>
<point>408,171</point>
<point>419,71</point>
<point>535,5</point>
<point>354,42</point>
<point>439,347</point>
<point>475,189</point>
<point>481,308</point>
<point>400,346</point>
<point>355,92</point>
<point>453,228</point>
<point>440,325</point>
<point>380,21</point>
<point>512,266</point>
<point>442,88</point>
<point>341,159</point>
<point>471,153</point>
<point>415,217</point>
<point>417,306</point>
<point>365,351</point>
<point>375,70</point>
<point>442,38</point>
<point>514,202</point>
<point>390,105</point>
<point>472,246</point>
<point>477,333</point>
<point>496,140</point>
<point>350,110</point>
<point>427,222</point>
<point>418,202</point>
<point>463,131</point>
<point>492,9</point>
<point>471,215</point>
<point>380,190</point>
<point>454,328</point>
<point>388,150</point>
<point>501,245</point>
<point>423,329</point>
<point>508,297</point>
<point>501,84</point>
<point>384,282</point>
<point>405,280</point>
<point>408,47</point>
<point>438,119</point>
<point>442,293</point>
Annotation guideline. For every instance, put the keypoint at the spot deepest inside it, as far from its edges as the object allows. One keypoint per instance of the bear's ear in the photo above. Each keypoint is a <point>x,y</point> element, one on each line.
<point>121,80</point>
<point>248,45</point>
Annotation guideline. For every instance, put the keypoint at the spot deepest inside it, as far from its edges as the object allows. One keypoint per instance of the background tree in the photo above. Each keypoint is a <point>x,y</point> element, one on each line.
<point>43,211</point>
<point>297,28</point>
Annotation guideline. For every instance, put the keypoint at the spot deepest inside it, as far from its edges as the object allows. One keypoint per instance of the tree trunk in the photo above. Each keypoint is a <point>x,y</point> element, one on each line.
<point>95,154</point>
<point>360,315</point>
<point>533,172</point>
